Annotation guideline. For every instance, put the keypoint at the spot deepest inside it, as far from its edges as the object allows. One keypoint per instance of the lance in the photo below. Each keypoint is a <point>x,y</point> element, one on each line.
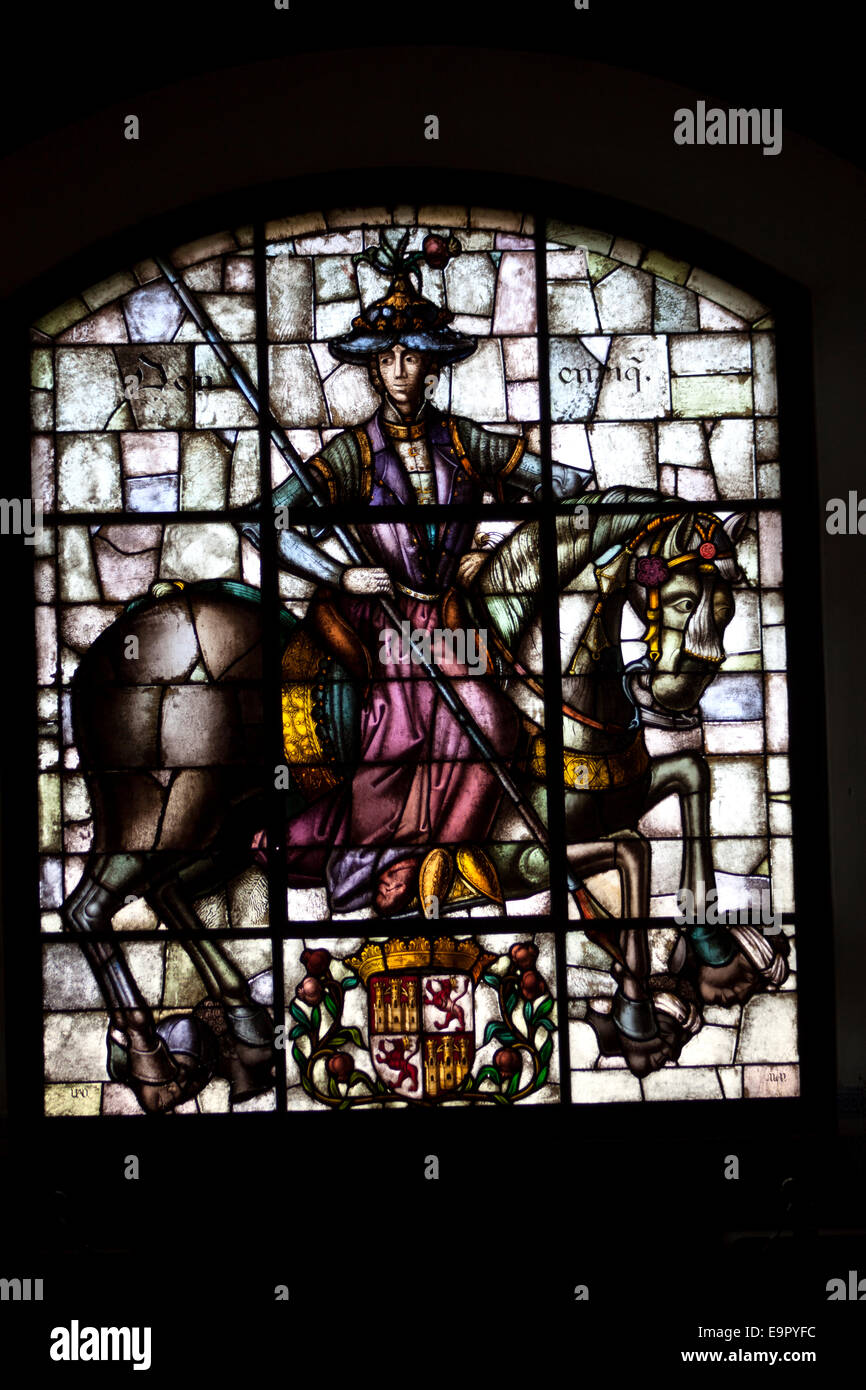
<point>355,551</point>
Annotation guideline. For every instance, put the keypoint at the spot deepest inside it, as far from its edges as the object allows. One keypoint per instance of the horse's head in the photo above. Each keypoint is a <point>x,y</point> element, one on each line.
<point>680,583</point>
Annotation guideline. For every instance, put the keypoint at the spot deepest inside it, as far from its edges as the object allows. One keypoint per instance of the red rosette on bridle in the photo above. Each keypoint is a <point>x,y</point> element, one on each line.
<point>651,571</point>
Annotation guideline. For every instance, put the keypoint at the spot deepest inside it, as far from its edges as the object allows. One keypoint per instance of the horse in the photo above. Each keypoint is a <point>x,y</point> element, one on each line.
<point>169,724</point>
<point>676,568</point>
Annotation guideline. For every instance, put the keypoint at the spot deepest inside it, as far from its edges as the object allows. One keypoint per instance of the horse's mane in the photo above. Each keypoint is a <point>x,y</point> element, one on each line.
<point>608,529</point>
<point>511,578</point>
<point>514,567</point>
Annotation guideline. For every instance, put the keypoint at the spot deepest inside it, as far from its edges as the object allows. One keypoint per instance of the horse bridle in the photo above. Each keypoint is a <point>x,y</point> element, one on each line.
<point>707,553</point>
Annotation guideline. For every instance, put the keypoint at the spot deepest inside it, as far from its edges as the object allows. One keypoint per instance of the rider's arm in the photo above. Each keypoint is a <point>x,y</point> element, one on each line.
<point>291,503</point>
<point>526,477</point>
<point>302,559</point>
<point>513,470</point>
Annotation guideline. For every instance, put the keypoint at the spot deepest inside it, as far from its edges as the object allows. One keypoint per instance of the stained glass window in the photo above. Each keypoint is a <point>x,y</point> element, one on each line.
<point>345,807</point>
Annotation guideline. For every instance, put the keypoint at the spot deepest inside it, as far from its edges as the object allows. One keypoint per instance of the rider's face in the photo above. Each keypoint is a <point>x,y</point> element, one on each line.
<point>402,371</point>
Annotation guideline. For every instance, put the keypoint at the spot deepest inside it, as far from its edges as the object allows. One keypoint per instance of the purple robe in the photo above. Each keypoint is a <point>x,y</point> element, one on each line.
<point>420,782</point>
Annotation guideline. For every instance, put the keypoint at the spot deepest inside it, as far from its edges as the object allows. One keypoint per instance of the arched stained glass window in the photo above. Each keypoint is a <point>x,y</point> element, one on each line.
<point>412,675</point>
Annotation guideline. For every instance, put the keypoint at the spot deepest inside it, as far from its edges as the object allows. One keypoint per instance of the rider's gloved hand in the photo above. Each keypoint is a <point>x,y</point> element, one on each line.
<point>469,566</point>
<point>359,579</point>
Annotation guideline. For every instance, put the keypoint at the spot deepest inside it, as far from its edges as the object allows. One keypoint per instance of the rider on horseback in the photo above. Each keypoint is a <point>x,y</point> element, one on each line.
<point>420,790</point>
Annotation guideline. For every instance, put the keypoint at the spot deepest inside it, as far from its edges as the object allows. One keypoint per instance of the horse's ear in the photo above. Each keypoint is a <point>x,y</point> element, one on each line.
<point>735,525</point>
<point>677,542</point>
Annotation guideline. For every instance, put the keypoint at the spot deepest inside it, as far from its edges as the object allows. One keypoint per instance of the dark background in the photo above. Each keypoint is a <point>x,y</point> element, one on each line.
<point>66,62</point>
<point>241,97</point>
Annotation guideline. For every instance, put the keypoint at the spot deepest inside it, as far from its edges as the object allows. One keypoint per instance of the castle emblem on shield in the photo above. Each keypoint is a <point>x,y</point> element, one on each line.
<point>421,1001</point>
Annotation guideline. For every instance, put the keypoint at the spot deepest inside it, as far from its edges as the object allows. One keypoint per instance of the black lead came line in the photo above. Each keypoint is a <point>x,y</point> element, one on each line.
<point>560,877</point>
<point>275,866</point>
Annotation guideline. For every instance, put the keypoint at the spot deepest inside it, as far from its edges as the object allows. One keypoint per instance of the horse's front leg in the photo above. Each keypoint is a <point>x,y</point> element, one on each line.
<point>632,1027</point>
<point>687,775</point>
<point>733,963</point>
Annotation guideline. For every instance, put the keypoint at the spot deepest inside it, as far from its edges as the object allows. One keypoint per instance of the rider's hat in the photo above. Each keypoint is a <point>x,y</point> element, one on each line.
<point>404,315</point>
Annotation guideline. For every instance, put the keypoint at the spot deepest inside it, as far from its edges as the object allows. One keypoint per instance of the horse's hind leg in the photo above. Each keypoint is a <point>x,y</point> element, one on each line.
<point>249,1024</point>
<point>137,1053</point>
<point>633,1005</point>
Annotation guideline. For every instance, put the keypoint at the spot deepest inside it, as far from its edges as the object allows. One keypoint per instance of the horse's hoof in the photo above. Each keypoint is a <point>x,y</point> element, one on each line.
<point>677,1021</point>
<point>248,1064</point>
<point>177,1069</point>
<point>191,1044</point>
<point>641,1056</point>
<point>165,1096</point>
<point>248,1076</point>
<point>151,1066</point>
<point>635,1018</point>
<point>755,967</point>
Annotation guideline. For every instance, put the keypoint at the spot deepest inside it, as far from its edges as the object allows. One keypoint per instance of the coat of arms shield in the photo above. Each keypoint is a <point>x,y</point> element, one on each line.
<point>422,1013</point>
